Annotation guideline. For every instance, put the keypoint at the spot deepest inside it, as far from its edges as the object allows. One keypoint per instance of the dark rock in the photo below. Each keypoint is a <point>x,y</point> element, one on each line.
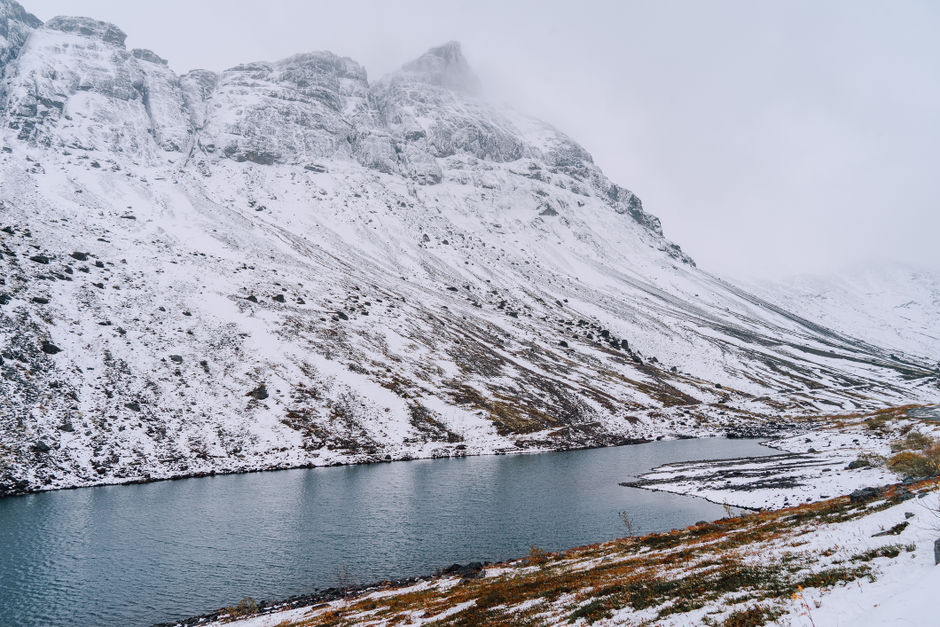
<point>41,447</point>
<point>79,256</point>
<point>176,359</point>
<point>908,515</point>
<point>936,552</point>
<point>39,300</point>
<point>469,571</point>
<point>133,406</point>
<point>893,531</point>
<point>148,55</point>
<point>39,259</point>
<point>108,33</point>
<point>49,348</point>
<point>563,344</point>
<point>341,315</point>
<point>252,298</point>
<point>259,393</point>
<point>863,494</point>
<point>279,298</point>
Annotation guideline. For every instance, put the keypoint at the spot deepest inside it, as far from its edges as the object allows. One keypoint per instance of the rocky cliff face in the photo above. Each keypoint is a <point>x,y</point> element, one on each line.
<point>15,26</point>
<point>288,264</point>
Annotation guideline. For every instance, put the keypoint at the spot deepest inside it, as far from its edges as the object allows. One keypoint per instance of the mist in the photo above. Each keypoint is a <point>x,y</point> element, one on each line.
<point>770,138</point>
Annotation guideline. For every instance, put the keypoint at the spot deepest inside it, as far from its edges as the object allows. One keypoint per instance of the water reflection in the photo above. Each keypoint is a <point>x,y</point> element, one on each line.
<point>134,555</point>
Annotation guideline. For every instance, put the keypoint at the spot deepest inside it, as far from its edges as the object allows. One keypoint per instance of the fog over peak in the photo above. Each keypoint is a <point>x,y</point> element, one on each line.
<point>771,139</point>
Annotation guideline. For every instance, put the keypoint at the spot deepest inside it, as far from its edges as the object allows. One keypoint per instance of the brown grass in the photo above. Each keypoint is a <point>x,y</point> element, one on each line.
<point>717,565</point>
<point>911,464</point>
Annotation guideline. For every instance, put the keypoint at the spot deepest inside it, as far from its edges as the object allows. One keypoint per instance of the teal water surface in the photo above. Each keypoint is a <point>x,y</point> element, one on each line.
<point>140,554</point>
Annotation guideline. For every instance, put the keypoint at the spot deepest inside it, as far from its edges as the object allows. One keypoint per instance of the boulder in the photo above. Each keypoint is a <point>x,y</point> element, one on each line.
<point>863,494</point>
<point>49,348</point>
<point>259,393</point>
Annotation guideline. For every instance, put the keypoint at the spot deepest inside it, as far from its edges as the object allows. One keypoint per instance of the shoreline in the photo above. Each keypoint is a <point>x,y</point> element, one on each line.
<point>798,460</point>
<point>786,428</point>
<point>893,494</point>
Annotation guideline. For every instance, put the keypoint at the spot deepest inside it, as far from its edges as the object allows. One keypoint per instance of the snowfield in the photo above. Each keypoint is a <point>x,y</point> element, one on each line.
<point>286,264</point>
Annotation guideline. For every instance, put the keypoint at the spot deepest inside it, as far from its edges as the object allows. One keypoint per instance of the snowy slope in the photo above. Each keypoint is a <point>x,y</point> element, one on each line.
<point>287,264</point>
<point>888,304</point>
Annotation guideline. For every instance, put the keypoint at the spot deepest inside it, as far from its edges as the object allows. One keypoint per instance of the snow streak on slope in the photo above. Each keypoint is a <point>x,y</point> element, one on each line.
<point>285,264</point>
<point>888,305</point>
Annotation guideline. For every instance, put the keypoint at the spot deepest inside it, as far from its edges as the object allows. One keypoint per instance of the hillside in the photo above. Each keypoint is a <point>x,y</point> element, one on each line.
<point>887,304</point>
<point>287,264</point>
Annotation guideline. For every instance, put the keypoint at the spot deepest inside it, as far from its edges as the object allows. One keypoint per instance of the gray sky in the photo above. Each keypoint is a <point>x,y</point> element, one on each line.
<point>770,137</point>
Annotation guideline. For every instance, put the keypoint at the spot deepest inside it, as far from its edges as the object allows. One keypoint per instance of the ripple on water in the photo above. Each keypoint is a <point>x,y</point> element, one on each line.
<point>139,554</point>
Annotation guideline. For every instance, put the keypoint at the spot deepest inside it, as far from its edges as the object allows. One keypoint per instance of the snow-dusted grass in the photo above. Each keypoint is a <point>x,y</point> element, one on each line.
<point>836,455</point>
<point>814,562</point>
<point>833,561</point>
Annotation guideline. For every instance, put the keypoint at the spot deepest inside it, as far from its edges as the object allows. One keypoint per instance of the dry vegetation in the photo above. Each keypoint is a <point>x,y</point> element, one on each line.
<point>719,570</point>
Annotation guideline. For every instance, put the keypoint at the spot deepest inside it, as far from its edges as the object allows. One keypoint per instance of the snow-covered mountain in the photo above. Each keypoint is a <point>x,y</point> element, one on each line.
<point>287,264</point>
<point>887,304</point>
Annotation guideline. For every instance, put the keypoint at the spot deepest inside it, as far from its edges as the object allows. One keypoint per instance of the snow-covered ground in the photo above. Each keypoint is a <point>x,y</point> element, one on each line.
<point>870,563</point>
<point>813,465</point>
<point>864,554</point>
<point>886,304</point>
<point>287,264</point>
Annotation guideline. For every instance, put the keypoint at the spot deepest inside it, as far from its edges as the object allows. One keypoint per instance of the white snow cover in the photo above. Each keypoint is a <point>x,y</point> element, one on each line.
<point>286,264</point>
<point>899,590</point>
<point>887,304</point>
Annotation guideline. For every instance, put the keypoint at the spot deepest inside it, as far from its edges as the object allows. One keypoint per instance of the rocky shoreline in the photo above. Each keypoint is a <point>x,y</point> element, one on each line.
<point>14,489</point>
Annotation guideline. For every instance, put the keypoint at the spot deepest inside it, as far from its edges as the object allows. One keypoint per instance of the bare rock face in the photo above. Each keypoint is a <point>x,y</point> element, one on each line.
<point>108,33</point>
<point>285,264</point>
<point>306,107</point>
<point>15,26</point>
<point>148,55</point>
<point>74,85</point>
<point>444,66</point>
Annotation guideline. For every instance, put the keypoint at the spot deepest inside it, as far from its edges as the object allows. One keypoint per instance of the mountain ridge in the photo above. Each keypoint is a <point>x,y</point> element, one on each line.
<point>285,265</point>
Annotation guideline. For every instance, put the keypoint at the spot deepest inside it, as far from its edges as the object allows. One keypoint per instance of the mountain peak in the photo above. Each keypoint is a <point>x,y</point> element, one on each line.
<point>15,25</point>
<point>444,66</point>
<point>10,9</point>
<point>106,32</point>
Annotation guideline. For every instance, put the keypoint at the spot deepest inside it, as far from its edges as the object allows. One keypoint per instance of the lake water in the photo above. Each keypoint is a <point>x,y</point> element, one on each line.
<point>140,554</point>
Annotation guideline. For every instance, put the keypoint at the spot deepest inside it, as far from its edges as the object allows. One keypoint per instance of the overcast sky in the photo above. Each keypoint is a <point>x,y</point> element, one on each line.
<point>771,138</point>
